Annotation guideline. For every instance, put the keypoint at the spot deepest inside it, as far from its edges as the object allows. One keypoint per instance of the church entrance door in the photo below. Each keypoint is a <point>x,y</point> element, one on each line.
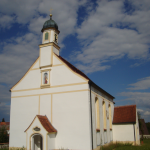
<point>37,142</point>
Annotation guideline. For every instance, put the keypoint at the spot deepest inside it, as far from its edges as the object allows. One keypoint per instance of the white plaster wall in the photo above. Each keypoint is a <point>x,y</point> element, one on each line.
<point>43,132</point>
<point>72,121</point>
<point>62,75</point>
<point>52,36</point>
<point>94,120</point>
<point>104,136</point>
<point>36,65</point>
<point>51,141</point>
<point>31,80</point>
<point>45,106</point>
<point>23,111</point>
<point>50,90</point>
<point>56,61</point>
<point>123,132</point>
<point>56,51</point>
<point>137,129</point>
<point>45,56</point>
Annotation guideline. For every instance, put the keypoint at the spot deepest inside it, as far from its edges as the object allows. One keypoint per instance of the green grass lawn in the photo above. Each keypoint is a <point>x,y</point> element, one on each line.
<point>145,146</point>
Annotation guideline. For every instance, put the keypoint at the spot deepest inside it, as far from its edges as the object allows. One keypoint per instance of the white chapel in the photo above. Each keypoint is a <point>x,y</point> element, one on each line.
<point>55,105</point>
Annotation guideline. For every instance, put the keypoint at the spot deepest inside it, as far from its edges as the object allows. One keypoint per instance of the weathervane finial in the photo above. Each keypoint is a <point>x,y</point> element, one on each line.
<point>50,13</point>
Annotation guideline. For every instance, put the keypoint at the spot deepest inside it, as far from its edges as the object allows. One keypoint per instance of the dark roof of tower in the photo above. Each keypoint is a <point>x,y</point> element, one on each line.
<point>50,24</point>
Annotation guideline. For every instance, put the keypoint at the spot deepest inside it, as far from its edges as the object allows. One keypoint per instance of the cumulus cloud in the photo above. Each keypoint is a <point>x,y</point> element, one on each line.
<point>142,84</point>
<point>147,113</point>
<point>17,57</point>
<point>6,21</point>
<point>139,110</point>
<point>141,99</point>
<point>111,32</point>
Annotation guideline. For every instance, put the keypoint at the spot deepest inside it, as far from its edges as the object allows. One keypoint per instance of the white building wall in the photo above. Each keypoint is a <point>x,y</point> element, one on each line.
<point>104,135</point>
<point>59,75</point>
<point>71,119</point>
<point>62,75</point>
<point>45,55</point>
<point>123,132</point>
<point>51,141</point>
<point>56,61</point>
<point>23,111</point>
<point>56,51</point>
<point>31,80</point>
<point>36,65</point>
<point>45,106</point>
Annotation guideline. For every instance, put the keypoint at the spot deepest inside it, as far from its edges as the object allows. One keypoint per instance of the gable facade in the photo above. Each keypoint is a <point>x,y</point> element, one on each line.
<point>53,94</point>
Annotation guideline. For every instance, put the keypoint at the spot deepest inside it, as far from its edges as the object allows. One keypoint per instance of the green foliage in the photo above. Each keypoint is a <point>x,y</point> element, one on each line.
<point>3,120</point>
<point>127,146</point>
<point>115,145</point>
<point>4,138</point>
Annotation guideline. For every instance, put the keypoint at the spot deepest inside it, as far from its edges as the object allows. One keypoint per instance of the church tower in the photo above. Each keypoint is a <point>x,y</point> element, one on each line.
<point>47,48</point>
<point>49,43</point>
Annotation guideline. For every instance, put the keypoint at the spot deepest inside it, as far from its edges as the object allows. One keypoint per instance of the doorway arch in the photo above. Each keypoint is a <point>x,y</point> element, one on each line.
<point>37,142</point>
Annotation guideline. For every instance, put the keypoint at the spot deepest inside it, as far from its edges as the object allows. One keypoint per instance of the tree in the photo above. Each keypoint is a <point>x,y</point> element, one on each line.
<point>3,120</point>
<point>4,138</point>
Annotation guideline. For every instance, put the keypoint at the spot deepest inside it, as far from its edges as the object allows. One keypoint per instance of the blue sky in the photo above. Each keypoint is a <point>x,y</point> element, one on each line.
<point>109,40</point>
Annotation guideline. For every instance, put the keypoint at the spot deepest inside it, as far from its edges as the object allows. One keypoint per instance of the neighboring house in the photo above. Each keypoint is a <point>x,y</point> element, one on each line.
<point>144,127</point>
<point>125,124</point>
<point>55,105</point>
<point>6,124</point>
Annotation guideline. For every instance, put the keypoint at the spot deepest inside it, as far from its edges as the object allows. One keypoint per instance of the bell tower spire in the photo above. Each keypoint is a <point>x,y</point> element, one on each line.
<point>49,42</point>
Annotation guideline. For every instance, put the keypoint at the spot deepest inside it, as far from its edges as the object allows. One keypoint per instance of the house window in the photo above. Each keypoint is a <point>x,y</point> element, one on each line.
<point>97,113</point>
<point>46,36</point>
<point>104,115</point>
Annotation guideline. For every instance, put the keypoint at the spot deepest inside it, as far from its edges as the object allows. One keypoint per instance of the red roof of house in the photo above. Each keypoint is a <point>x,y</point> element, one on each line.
<point>124,114</point>
<point>6,124</point>
<point>45,123</point>
<point>144,127</point>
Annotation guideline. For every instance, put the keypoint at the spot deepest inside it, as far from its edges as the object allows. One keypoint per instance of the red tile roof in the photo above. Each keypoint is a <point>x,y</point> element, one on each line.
<point>144,127</point>
<point>124,114</point>
<point>45,123</point>
<point>6,124</point>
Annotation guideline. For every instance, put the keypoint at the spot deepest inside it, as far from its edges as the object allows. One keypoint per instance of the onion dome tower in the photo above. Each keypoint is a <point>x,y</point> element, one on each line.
<point>49,43</point>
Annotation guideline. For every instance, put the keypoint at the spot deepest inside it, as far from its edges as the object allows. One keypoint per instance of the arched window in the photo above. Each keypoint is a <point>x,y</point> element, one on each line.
<point>97,113</point>
<point>46,36</point>
<point>104,114</point>
<point>110,118</point>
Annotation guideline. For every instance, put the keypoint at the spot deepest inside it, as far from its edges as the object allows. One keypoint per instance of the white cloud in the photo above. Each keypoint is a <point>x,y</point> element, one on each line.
<point>141,99</point>
<point>23,10</point>
<point>147,113</point>
<point>6,21</point>
<point>142,84</point>
<point>139,110</point>
<point>16,58</point>
<point>109,33</point>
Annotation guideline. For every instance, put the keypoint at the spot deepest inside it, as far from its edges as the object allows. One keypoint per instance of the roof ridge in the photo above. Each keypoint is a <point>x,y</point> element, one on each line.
<point>125,106</point>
